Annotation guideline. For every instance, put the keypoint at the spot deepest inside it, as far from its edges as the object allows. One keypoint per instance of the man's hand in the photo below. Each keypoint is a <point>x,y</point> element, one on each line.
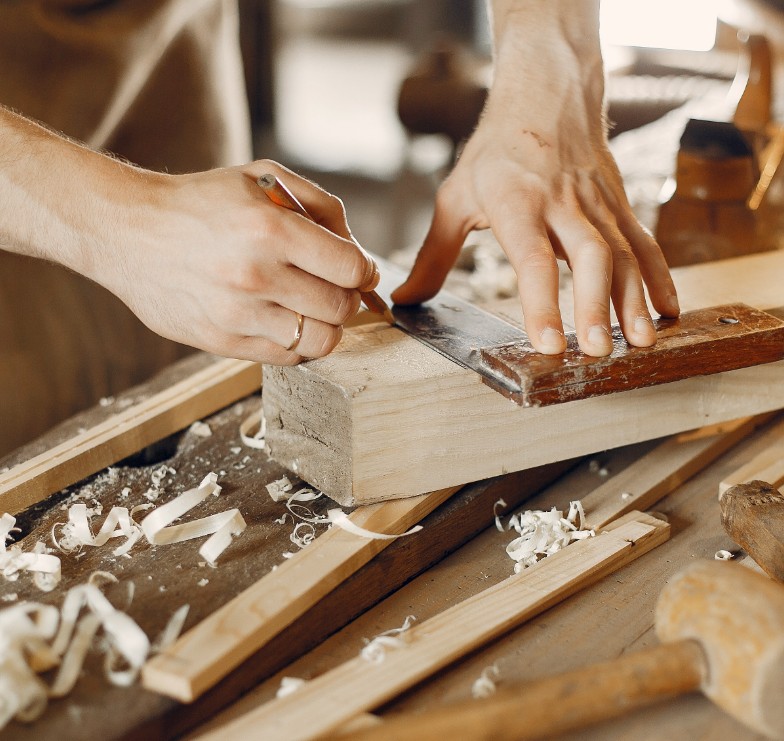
<point>210,261</point>
<point>205,259</point>
<point>539,173</point>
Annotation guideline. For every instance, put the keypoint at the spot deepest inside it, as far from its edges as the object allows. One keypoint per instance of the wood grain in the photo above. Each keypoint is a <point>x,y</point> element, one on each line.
<point>127,432</point>
<point>752,514</point>
<point>211,649</point>
<point>768,465</point>
<point>384,417</point>
<point>662,470</point>
<point>356,686</point>
<point>698,343</point>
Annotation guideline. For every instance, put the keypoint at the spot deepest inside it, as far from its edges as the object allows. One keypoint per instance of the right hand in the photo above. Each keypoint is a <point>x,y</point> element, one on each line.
<point>208,260</point>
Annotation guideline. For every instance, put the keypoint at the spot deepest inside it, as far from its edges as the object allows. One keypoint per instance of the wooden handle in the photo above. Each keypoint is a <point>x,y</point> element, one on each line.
<point>558,704</point>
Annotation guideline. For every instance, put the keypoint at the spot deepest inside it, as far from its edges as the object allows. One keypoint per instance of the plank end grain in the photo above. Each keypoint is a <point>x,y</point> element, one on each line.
<point>309,429</point>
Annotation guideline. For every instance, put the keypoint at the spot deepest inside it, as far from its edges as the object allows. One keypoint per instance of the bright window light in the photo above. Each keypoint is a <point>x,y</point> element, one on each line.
<point>660,24</point>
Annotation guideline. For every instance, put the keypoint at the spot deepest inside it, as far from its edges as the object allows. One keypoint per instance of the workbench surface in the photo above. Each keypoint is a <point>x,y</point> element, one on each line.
<point>610,618</point>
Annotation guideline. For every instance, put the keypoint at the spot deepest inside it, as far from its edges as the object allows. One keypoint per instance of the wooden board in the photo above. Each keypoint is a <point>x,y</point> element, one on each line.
<point>385,417</point>
<point>128,431</point>
<point>698,343</point>
<point>165,577</point>
<point>359,685</point>
<point>611,618</point>
<point>768,465</point>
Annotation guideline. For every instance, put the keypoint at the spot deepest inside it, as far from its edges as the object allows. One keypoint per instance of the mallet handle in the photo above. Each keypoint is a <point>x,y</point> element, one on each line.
<point>557,704</point>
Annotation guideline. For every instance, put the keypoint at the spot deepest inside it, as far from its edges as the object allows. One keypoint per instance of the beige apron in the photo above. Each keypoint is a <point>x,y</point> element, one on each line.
<point>160,83</point>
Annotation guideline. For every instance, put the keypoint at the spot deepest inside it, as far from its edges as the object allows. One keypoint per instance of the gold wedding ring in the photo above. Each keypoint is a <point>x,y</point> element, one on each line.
<point>297,332</point>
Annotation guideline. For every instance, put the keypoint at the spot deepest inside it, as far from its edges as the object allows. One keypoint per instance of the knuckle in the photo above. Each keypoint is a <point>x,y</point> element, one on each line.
<point>345,305</point>
<point>326,340</point>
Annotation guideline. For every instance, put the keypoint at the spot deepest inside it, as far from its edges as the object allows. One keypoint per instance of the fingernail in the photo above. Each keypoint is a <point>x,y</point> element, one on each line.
<point>552,341</point>
<point>599,337</point>
<point>643,326</point>
<point>673,305</point>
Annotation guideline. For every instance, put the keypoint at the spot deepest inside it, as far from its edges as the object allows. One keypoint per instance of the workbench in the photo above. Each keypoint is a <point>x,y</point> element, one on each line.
<point>458,554</point>
<point>605,620</point>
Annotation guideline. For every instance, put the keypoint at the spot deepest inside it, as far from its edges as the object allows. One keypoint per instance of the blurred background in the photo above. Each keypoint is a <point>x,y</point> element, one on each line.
<point>325,76</point>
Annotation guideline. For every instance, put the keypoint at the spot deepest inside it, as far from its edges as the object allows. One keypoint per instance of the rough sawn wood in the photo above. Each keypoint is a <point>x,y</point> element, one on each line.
<point>384,417</point>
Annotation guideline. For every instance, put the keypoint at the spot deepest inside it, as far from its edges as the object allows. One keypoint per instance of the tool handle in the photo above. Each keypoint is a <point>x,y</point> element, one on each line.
<point>557,704</point>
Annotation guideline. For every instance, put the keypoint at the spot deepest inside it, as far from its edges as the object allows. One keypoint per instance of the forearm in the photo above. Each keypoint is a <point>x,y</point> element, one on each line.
<point>58,200</point>
<point>548,66</point>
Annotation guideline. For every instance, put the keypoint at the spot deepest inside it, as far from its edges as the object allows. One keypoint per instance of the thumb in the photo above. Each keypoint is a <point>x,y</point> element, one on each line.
<point>436,257</point>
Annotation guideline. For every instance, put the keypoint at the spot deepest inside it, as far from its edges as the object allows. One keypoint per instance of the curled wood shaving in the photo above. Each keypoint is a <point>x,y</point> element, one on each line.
<point>44,566</point>
<point>77,532</point>
<point>340,518</point>
<point>35,638</point>
<point>724,555</point>
<point>485,685</point>
<point>25,630</point>
<point>375,649</point>
<point>543,532</point>
<point>253,429</point>
<point>279,490</point>
<point>158,529</point>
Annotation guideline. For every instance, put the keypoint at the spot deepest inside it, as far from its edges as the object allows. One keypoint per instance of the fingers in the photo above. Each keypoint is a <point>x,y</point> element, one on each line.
<point>525,241</point>
<point>436,256</point>
<point>279,336</point>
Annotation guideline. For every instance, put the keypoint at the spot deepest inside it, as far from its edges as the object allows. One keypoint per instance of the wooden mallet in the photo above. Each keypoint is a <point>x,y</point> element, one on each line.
<point>722,632</point>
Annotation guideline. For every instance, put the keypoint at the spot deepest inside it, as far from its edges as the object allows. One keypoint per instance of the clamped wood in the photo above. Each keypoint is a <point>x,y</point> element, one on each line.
<point>698,343</point>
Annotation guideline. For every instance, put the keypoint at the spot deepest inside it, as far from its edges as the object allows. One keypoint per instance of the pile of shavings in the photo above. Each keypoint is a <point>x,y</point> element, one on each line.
<point>542,532</point>
<point>13,560</point>
<point>36,638</point>
<point>156,527</point>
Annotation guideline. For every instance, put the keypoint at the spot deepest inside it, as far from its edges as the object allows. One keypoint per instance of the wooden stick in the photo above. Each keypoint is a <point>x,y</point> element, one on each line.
<point>663,470</point>
<point>203,393</point>
<point>557,704</point>
<point>211,649</point>
<point>766,466</point>
<point>326,703</point>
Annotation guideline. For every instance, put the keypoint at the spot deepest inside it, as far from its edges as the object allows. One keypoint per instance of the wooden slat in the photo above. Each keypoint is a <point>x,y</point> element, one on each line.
<point>384,416</point>
<point>210,650</point>
<point>766,466</point>
<point>127,432</point>
<point>662,470</point>
<point>328,702</point>
<point>697,343</point>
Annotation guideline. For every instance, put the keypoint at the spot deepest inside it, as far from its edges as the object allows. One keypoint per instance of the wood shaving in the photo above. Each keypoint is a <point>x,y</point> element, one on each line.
<point>289,685</point>
<point>279,489</point>
<point>543,532</point>
<point>77,533</point>
<point>498,524</point>
<point>485,684</point>
<point>200,429</point>
<point>172,630</point>
<point>375,649</point>
<point>13,561</point>
<point>35,638</point>
<point>158,529</point>
<point>724,555</point>
<point>340,518</point>
<point>253,429</point>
